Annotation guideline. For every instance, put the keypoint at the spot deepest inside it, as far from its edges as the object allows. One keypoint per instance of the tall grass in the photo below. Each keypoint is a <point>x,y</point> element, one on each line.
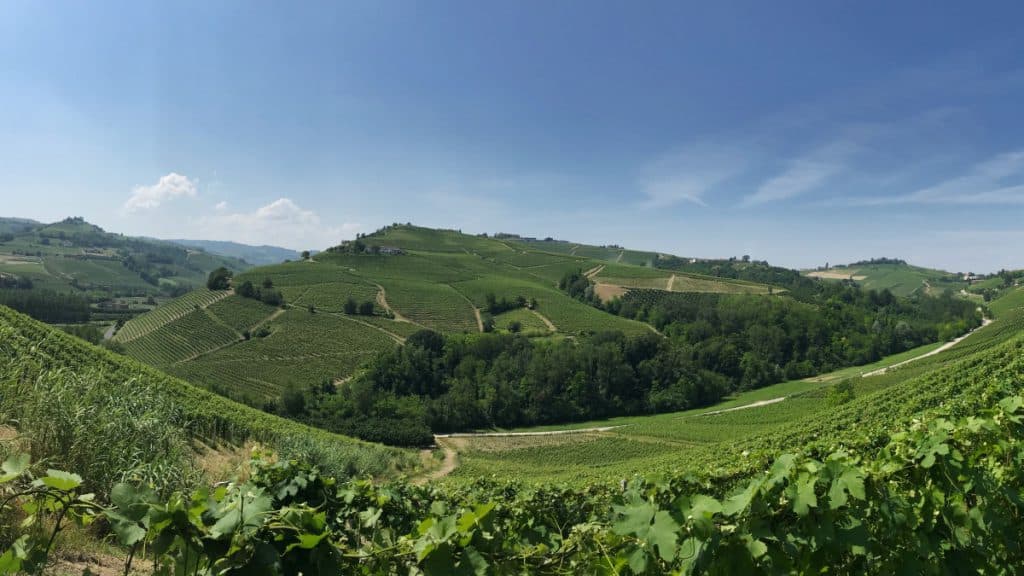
<point>109,431</point>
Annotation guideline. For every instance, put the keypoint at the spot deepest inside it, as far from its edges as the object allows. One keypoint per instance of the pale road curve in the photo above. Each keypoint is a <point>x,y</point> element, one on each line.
<point>545,320</point>
<point>671,281</point>
<point>943,348</point>
<point>540,433</point>
<point>757,404</point>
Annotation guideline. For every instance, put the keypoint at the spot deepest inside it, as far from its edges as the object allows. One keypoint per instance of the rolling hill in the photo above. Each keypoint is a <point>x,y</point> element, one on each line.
<point>256,255</point>
<point>117,274</point>
<point>413,277</point>
<point>898,277</point>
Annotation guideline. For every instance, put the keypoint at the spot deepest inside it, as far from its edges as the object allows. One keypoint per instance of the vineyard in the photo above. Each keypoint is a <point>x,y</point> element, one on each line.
<point>165,313</point>
<point>181,339</point>
<point>301,348</point>
<point>40,363</point>
<point>933,488</point>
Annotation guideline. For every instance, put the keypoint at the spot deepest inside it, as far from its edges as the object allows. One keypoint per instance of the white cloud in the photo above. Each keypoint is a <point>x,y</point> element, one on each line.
<point>281,223</point>
<point>171,186</point>
<point>688,175</point>
<point>984,183</point>
<point>222,205</point>
<point>802,176</point>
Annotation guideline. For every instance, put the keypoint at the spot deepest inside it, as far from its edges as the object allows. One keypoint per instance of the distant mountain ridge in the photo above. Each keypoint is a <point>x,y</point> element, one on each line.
<point>258,255</point>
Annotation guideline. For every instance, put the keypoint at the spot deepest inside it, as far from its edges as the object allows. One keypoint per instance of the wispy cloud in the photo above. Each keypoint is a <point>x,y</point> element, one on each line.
<point>171,186</point>
<point>998,180</point>
<point>687,175</point>
<point>801,176</point>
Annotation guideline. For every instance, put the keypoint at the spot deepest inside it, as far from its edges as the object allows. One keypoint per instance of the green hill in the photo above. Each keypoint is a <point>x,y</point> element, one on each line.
<point>413,277</point>
<point>117,275</point>
<point>898,277</point>
<point>61,394</point>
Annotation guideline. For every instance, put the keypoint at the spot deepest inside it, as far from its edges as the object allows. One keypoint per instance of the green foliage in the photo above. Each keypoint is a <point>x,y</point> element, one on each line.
<point>47,305</point>
<point>840,393</point>
<point>219,279</point>
<point>941,497</point>
<point>112,418</point>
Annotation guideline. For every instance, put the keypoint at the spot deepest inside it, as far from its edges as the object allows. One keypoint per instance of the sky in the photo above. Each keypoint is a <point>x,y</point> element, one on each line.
<point>795,132</point>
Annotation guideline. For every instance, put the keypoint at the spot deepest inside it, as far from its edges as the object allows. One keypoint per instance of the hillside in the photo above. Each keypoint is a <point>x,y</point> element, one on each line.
<point>117,276</point>
<point>898,277</point>
<point>413,277</point>
<point>39,364</point>
<point>256,255</point>
<point>299,326</point>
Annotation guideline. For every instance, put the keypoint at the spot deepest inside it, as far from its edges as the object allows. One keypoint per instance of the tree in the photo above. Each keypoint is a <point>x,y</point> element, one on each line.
<point>268,283</point>
<point>366,308</point>
<point>312,309</point>
<point>350,306</point>
<point>515,326</point>
<point>305,254</point>
<point>247,290</point>
<point>219,279</point>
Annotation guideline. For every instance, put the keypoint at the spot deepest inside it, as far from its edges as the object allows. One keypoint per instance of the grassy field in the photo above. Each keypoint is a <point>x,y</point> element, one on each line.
<point>731,440</point>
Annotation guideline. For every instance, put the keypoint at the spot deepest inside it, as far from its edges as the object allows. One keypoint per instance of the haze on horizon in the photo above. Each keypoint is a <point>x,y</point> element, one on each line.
<point>801,133</point>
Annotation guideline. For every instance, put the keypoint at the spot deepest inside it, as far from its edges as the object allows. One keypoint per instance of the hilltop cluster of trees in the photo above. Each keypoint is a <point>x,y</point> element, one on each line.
<point>882,260</point>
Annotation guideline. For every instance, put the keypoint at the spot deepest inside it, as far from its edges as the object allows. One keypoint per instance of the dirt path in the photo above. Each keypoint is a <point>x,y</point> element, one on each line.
<point>110,332</point>
<point>619,258</point>
<point>594,271</point>
<point>943,348</point>
<point>476,311</point>
<point>757,404</point>
<point>388,333</point>
<point>545,320</point>
<point>240,339</point>
<point>382,299</point>
<point>451,461</point>
<point>540,433</point>
<point>671,282</point>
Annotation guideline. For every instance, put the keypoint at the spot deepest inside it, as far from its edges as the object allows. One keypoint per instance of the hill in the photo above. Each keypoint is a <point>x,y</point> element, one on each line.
<point>114,275</point>
<point>407,278</point>
<point>53,383</point>
<point>256,255</point>
<point>302,325</point>
<point>896,276</point>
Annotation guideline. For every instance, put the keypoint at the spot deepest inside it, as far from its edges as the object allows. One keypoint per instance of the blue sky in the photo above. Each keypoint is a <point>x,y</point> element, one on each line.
<point>797,132</point>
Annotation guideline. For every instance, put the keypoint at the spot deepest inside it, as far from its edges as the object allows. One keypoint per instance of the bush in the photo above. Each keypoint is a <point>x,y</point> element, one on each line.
<point>366,308</point>
<point>219,279</point>
<point>350,306</point>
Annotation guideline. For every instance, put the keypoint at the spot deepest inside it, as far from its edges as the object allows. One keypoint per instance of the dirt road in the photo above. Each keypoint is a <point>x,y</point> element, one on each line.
<point>943,348</point>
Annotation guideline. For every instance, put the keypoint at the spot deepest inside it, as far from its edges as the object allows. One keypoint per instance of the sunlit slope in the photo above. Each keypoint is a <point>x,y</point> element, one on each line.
<point>900,279</point>
<point>30,349</point>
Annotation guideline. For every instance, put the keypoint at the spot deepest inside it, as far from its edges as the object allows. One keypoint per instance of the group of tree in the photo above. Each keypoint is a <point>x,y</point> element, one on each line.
<point>351,307</point>
<point>219,279</point>
<point>15,282</point>
<point>438,384</point>
<point>47,305</point>
<point>710,345</point>
<point>265,293</point>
